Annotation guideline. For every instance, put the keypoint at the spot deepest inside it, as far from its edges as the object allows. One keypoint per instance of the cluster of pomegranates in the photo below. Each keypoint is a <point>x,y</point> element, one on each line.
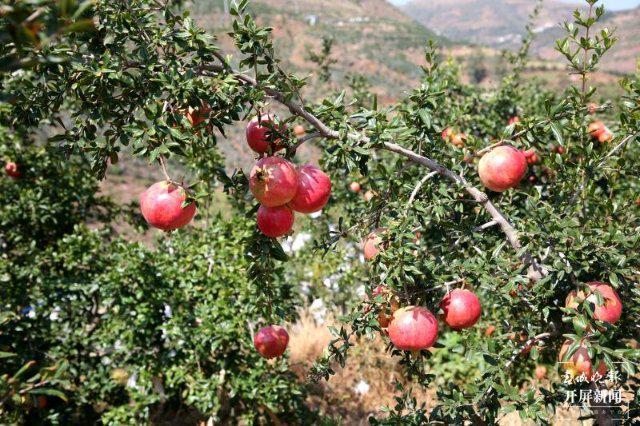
<point>356,187</point>
<point>279,186</point>
<point>415,328</point>
<point>12,169</point>
<point>610,311</point>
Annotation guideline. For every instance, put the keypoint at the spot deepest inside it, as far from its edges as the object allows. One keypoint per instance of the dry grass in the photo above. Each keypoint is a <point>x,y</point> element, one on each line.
<point>368,362</point>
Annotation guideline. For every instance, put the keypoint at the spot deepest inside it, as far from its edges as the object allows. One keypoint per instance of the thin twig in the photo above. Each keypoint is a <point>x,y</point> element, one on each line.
<point>164,168</point>
<point>485,226</point>
<point>417,189</point>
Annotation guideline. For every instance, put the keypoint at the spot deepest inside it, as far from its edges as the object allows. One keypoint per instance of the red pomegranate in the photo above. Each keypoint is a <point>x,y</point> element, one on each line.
<point>260,134</point>
<point>461,309</point>
<point>372,245</point>
<point>447,133</point>
<point>275,222</point>
<point>597,128</point>
<point>161,206</point>
<point>611,309</point>
<point>12,170</point>
<point>197,116</point>
<point>531,156</point>
<point>273,181</point>
<point>355,187</point>
<point>314,189</point>
<point>606,136</point>
<point>580,362</point>
<point>502,168</point>
<point>514,120</point>
<point>271,341</point>
<point>413,328</point>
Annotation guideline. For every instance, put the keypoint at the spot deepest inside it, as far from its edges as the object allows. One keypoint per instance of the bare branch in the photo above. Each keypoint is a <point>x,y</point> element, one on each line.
<point>485,226</point>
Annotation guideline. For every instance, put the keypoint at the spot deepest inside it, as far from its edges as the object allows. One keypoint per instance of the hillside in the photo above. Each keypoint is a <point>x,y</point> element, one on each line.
<point>501,24</point>
<point>623,57</point>
<point>371,37</point>
<point>494,23</point>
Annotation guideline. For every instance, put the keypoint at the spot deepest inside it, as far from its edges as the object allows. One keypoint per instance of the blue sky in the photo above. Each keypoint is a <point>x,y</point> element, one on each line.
<point>610,4</point>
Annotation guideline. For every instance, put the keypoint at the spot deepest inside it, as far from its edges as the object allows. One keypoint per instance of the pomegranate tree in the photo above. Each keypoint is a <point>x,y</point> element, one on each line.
<point>163,206</point>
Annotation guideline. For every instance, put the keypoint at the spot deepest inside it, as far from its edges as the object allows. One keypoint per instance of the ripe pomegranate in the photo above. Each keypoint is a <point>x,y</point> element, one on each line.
<point>502,168</point>
<point>161,206</point>
<point>355,187</point>
<point>271,341</point>
<point>447,133</point>
<point>541,372</point>
<point>531,156</point>
<point>273,181</point>
<point>314,190</point>
<point>579,362</point>
<point>197,116</point>
<point>388,309</point>
<point>559,149</point>
<point>40,402</point>
<point>461,309</point>
<point>373,243</point>
<point>261,137</point>
<point>369,195</point>
<point>12,169</point>
<point>611,309</point>
<point>597,128</point>
<point>605,136</point>
<point>489,330</point>
<point>458,139</point>
<point>514,120</point>
<point>275,222</point>
<point>413,328</point>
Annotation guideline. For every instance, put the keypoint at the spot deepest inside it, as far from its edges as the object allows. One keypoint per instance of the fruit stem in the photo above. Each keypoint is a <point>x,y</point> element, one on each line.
<point>164,168</point>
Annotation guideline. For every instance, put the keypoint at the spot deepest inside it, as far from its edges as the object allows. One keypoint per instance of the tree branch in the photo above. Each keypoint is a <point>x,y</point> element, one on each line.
<point>536,272</point>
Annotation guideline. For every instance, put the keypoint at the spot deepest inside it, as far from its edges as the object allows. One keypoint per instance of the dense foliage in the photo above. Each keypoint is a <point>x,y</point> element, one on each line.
<point>115,331</point>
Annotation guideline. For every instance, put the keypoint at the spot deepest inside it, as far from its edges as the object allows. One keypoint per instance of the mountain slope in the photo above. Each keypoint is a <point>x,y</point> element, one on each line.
<point>621,59</point>
<point>495,23</point>
<point>371,37</point>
